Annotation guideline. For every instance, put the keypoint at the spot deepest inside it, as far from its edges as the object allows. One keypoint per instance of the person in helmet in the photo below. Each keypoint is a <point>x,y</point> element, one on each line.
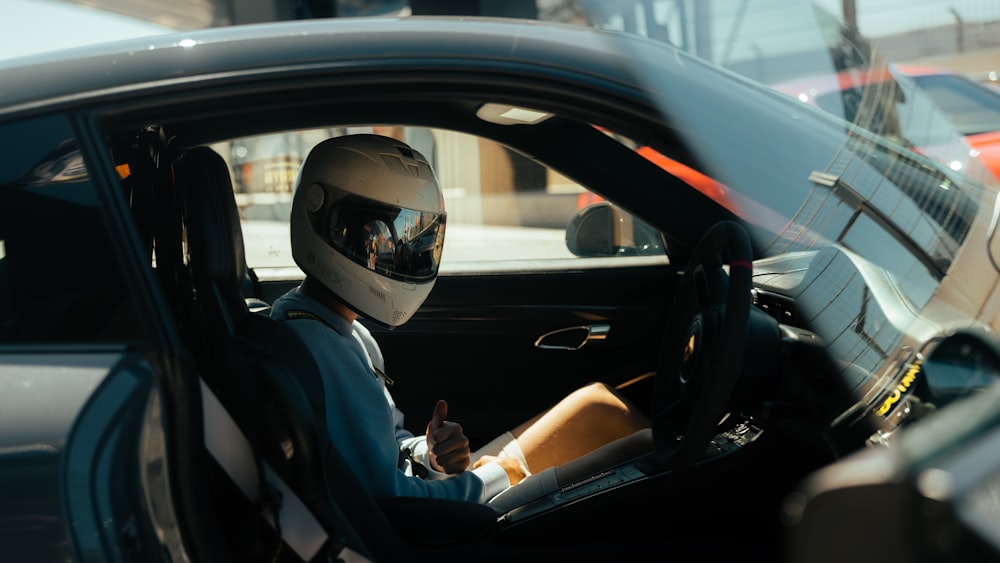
<point>367,229</point>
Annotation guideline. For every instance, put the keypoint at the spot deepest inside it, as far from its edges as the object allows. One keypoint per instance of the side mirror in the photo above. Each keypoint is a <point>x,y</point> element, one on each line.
<point>602,229</point>
<point>961,364</point>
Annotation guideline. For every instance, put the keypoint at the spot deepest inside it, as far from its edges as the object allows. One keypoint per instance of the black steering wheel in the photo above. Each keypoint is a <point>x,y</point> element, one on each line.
<point>703,345</point>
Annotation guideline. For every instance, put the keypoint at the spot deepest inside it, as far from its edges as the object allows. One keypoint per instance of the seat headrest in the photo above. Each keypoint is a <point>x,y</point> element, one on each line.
<point>214,233</point>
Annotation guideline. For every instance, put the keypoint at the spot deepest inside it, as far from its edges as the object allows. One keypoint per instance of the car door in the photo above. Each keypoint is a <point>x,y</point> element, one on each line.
<point>82,440</point>
<point>501,347</point>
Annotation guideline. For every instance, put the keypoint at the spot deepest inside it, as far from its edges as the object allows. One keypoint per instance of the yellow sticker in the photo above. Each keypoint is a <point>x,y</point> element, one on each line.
<point>901,389</point>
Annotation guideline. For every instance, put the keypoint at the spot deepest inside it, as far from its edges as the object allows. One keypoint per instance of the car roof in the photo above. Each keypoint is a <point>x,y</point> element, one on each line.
<point>68,75</point>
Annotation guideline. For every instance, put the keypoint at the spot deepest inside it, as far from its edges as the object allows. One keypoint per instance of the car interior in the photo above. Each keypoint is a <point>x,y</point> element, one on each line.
<point>256,379</point>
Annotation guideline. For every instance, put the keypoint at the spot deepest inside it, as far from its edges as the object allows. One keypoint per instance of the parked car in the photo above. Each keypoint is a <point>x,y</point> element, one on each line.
<point>818,355</point>
<point>924,107</point>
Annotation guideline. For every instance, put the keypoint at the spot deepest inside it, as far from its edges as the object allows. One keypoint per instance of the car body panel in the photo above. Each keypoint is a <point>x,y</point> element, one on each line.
<point>31,463</point>
<point>987,146</point>
<point>77,473</point>
<point>882,87</point>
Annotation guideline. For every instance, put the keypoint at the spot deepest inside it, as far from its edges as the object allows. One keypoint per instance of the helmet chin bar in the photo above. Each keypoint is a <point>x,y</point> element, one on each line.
<point>388,302</point>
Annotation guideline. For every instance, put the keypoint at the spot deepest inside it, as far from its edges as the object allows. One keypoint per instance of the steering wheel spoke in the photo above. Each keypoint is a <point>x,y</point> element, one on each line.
<point>703,345</point>
<point>708,282</point>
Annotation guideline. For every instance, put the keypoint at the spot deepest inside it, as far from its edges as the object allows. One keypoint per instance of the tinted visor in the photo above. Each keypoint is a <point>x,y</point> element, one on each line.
<point>398,243</point>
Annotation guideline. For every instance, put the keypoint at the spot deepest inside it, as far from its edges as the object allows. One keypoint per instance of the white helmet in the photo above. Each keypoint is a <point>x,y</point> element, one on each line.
<point>368,223</point>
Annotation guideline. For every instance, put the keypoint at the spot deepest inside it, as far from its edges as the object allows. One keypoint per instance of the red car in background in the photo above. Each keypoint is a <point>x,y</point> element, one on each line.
<point>920,107</point>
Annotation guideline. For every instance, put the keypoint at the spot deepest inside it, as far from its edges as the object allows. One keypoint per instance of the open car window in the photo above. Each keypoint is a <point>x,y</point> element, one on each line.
<point>502,206</point>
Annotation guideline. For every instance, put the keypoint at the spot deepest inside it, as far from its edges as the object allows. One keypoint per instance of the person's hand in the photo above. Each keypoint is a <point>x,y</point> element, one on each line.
<point>510,465</point>
<point>447,446</point>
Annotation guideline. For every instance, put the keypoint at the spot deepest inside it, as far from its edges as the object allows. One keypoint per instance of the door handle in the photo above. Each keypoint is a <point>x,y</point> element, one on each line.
<point>572,338</point>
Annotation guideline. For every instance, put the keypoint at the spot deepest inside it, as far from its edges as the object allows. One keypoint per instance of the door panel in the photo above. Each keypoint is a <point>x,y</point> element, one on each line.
<point>473,343</point>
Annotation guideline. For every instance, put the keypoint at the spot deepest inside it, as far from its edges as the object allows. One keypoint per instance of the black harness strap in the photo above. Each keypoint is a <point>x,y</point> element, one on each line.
<point>419,469</point>
<point>299,314</point>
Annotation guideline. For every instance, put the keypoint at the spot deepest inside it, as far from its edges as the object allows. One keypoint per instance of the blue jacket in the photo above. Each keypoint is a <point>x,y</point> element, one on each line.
<point>361,417</point>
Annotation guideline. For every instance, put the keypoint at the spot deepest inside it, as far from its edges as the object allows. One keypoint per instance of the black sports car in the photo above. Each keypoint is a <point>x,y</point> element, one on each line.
<point>805,309</point>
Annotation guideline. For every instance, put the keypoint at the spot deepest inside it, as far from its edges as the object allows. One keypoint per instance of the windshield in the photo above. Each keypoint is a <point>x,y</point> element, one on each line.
<point>817,52</point>
<point>873,201</point>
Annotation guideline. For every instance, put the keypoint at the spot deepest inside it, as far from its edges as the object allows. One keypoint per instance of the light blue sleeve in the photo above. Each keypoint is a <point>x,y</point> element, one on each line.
<point>363,426</point>
<point>493,476</point>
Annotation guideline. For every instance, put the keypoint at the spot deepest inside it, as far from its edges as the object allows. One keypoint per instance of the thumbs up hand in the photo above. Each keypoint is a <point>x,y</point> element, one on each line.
<point>447,446</point>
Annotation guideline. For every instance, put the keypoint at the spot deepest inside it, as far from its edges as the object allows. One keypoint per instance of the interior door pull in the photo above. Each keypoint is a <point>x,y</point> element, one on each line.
<point>572,338</point>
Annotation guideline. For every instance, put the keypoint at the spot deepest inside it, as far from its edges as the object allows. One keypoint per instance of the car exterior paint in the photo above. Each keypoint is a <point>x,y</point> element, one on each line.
<point>971,110</point>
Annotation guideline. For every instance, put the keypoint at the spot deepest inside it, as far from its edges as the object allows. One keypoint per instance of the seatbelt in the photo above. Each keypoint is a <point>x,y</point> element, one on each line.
<point>230,448</point>
<point>299,314</point>
<point>405,454</point>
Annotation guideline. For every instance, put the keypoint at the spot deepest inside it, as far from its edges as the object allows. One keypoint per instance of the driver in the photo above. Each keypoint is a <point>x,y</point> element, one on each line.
<point>367,228</point>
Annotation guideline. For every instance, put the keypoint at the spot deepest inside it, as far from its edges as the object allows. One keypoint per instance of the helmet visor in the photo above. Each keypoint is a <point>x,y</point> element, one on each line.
<point>395,242</point>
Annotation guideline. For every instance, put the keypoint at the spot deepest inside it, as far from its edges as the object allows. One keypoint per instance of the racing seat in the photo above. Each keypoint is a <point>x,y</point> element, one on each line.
<point>265,377</point>
<point>259,387</point>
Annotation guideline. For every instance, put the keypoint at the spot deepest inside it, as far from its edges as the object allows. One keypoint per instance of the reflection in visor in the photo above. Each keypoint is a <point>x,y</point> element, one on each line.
<point>398,243</point>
